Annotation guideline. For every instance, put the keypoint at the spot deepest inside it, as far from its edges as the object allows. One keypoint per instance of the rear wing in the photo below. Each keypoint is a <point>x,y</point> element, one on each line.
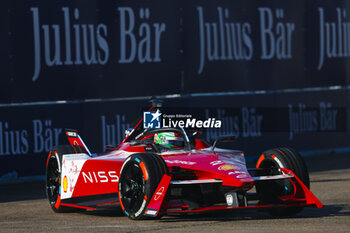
<point>75,140</point>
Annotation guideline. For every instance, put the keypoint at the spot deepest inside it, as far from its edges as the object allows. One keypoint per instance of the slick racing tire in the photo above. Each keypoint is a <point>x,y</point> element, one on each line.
<point>54,179</point>
<point>140,176</point>
<point>268,191</point>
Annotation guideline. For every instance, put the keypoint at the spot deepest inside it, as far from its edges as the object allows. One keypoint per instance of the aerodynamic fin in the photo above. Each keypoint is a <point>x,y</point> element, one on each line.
<point>75,140</point>
<point>156,202</point>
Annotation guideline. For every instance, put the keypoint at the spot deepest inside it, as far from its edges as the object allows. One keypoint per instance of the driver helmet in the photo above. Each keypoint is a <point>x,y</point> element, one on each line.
<point>169,140</point>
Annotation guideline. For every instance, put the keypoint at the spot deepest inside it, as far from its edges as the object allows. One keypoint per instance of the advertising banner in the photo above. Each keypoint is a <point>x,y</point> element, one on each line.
<point>95,49</point>
<point>275,73</point>
<point>67,50</point>
<point>311,121</point>
<point>327,33</point>
<point>230,44</point>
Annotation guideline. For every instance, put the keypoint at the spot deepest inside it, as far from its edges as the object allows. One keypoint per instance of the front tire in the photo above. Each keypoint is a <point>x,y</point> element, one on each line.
<point>140,176</point>
<point>268,191</point>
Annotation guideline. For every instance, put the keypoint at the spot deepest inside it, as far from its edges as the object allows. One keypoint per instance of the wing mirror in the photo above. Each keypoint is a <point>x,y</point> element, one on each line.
<point>145,143</point>
<point>223,139</point>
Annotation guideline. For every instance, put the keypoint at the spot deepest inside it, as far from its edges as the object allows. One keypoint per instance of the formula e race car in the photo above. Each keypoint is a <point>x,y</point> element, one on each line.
<point>155,172</point>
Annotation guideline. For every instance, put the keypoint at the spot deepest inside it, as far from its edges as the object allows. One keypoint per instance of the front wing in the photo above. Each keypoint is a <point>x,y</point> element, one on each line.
<point>159,204</point>
<point>301,197</point>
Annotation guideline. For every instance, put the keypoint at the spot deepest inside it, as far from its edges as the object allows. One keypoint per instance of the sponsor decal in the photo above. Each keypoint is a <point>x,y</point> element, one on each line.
<point>71,170</point>
<point>159,193</point>
<point>100,177</point>
<point>65,184</point>
<point>216,162</point>
<point>151,212</point>
<point>227,167</point>
<point>224,167</point>
<point>239,174</point>
<point>236,172</point>
<point>229,199</point>
<point>71,134</point>
<point>180,162</point>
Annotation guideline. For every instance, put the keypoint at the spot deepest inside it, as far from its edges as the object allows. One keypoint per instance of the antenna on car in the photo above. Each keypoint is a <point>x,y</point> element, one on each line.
<point>156,103</point>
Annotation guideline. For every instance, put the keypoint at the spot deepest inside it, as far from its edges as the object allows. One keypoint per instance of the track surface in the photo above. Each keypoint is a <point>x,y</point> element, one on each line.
<point>23,208</point>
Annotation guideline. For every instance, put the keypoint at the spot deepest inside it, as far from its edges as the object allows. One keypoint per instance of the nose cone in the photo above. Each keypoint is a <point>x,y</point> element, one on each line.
<point>231,173</point>
<point>205,165</point>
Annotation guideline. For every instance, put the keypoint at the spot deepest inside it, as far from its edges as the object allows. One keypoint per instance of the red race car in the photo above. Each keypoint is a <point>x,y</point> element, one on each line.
<point>154,172</point>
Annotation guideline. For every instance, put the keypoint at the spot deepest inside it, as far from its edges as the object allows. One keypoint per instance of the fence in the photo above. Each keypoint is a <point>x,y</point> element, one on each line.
<point>277,71</point>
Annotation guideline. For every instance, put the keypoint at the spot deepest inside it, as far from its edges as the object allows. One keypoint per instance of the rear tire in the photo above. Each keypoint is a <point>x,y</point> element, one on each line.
<point>54,179</point>
<point>140,176</point>
<point>268,191</point>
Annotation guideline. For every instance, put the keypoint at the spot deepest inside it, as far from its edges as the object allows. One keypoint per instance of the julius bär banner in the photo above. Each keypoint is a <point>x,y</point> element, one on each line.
<point>60,50</point>
<point>96,49</point>
<point>248,51</point>
<point>306,122</point>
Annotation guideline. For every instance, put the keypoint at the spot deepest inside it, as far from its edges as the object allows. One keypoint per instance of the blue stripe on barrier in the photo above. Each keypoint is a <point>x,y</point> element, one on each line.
<point>270,92</point>
<point>21,179</point>
<point>324,151</point>
<point>175,96</point>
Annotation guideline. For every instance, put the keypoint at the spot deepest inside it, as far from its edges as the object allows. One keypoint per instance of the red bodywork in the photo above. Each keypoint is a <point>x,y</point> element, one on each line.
<point>95,183</point>
<point>225,167</point>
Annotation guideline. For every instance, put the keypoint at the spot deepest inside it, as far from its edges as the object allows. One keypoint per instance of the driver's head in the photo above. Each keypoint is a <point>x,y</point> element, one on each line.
<point>169,140</point>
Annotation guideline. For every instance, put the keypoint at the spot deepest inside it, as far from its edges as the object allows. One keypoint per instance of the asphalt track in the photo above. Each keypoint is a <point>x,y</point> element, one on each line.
<point>23,208</point>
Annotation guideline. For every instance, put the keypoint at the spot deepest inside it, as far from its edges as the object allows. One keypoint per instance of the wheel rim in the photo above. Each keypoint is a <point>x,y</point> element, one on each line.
<point>53,181</point>
<point>286,184</point>
<point>132,188</point>
<point>270,163</point>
